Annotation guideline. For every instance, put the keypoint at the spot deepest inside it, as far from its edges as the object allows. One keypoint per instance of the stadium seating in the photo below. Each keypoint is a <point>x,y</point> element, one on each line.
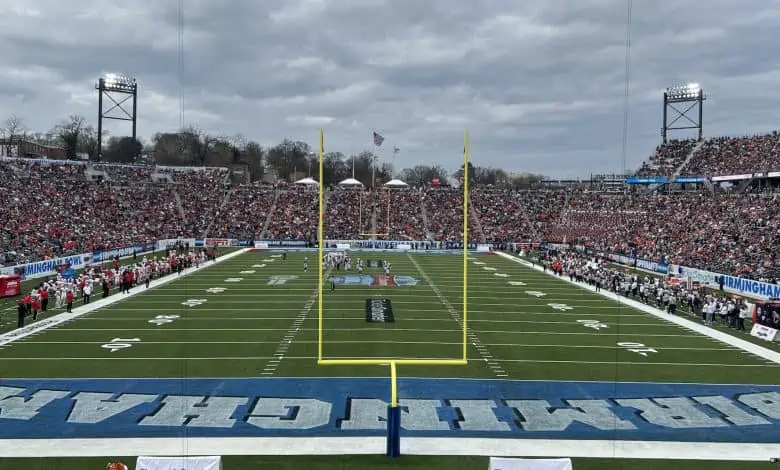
<point>725,156</point>
<point>295,216</point>
<point>244,214</point>
<point>667,158</point>
<point>51,210</point>
<point>405,220</point>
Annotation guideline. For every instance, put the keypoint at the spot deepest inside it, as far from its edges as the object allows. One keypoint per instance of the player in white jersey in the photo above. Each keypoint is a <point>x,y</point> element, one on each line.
<point>306,264</point>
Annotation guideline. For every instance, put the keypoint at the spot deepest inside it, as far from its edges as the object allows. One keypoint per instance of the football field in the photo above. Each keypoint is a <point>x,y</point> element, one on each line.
<point>255,315</point>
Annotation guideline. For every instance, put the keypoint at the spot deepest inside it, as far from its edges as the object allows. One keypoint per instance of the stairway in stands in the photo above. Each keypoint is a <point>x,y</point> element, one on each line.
<point>424,215</point>
<point>222,205</point>
<point>179,205</point>
<point>477,223</point>
<point>271,213</point>
<point>693,152</point>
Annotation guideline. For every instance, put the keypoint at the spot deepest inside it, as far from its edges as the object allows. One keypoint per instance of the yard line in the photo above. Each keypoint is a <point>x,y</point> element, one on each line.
<point>285,343</point>
<point>312,358</point>
<point>396,294</point>
<point>437,343</point>
<point>494,366</point>
<point>429,330</point>
<point>481,304</point>
<point>362,319</point>
<point>481,312</point>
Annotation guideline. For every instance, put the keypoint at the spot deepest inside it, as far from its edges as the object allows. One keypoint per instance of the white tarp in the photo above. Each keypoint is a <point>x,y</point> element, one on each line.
<point>179,463</point>
<point>307,180</point>
<point>499,463</point>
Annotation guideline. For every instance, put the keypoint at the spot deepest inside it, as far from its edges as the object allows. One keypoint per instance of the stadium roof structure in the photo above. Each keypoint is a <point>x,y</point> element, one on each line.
<point>307,181</point>
<point>396,183</point>
<point>350,182</point>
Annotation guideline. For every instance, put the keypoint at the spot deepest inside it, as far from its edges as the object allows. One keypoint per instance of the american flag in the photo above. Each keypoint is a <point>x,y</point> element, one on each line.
<point>378,139</point>
<point>395,149</point>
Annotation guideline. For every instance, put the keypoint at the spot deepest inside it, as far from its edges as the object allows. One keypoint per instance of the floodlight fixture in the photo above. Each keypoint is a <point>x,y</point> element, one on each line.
<point>126,87</point>
<point>691,94</point>
<point>118,83</point>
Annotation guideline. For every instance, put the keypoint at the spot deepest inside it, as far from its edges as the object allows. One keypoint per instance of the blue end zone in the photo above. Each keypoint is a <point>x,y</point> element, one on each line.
<point>123,408</point>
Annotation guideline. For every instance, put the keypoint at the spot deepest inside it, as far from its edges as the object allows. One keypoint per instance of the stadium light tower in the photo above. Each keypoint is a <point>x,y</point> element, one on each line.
<point>108,86</point>
<point>690,95</point>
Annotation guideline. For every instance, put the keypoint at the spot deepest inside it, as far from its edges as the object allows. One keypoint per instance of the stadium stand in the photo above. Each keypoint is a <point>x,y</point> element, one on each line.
<point>51,210</point>
<point>346,215</point>
<point>723,156</point>
<point>244,214</point>
<point>295,216</point>
<point>405,214</point>
<point>444,209</point>
<point>667,158</point>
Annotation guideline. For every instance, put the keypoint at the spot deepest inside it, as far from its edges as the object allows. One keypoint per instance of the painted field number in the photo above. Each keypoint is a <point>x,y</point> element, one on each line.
<point>120,343</point>
<point>194,302</point>
<point>595,324</point>
<point>535,293</point>
<point>279,280</point>
<point>163,319</point>
<point>561,307</point>
<point>638,348</point>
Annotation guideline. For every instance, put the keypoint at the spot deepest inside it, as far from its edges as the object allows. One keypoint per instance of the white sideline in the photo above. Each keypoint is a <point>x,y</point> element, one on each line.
<point>41,325</point>
<point>496,447</point>
<point>746,346</point>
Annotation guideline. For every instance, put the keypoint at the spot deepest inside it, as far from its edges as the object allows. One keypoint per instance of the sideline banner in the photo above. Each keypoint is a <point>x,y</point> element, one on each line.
<point>46,267</point>
<point>499,463</point>
<point>178,463</point>
<point>764,332</point>
<point>731,284</point>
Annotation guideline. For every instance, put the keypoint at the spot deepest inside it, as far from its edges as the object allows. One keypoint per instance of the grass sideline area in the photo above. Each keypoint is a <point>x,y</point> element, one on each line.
<point>8,315</point>
<point>233,318</point>
<point>682,308</point>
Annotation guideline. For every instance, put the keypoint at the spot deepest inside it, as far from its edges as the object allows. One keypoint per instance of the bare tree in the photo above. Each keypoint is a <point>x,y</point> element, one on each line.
<point>69,134</point>
<point>13,133</point>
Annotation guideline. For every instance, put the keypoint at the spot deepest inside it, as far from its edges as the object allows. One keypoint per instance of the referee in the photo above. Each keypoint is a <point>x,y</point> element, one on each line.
<point>332,284</point>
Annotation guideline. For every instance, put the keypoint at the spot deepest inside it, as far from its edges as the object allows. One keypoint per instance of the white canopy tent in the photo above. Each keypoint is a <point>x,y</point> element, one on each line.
<point>396,183</point>
<point>307,181</point>
<point>350,182</point>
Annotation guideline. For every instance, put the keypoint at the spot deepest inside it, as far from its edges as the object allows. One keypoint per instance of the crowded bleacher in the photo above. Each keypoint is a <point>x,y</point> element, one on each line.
<point>54,208</point>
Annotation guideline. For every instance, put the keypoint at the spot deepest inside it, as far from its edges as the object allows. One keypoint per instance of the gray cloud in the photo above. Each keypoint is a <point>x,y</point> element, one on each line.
<point>539,84</point>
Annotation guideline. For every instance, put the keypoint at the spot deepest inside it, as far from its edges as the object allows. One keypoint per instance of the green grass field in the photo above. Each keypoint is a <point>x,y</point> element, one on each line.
<point>265,325</point>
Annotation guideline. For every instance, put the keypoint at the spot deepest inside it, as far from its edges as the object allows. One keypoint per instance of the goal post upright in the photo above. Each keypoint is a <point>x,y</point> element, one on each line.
<point>388,231</point>
<point>320,245</point>
<point>465,243</point>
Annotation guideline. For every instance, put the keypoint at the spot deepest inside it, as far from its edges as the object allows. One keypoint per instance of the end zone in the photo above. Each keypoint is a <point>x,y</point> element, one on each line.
<point>47,417</point>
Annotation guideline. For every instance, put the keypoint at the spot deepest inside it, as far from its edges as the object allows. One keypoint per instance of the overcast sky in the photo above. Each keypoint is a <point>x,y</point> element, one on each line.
<point>539,83</point>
